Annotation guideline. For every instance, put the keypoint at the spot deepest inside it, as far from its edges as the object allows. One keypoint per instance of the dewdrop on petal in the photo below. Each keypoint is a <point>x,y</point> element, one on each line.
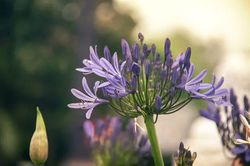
<point>39,142</point>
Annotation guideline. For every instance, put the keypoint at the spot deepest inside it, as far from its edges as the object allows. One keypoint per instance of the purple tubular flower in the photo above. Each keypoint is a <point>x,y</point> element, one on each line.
<point>136,52</point>
<point>133,84</point>
<point>168,56</point>
<point>187,58</point>
<point>125,49</point>
<point>175,77</point>
<point>158,103</point>
<point>147,69</point>
<point>136,69</point>
<point>107,54</point>
<point>89,100</point>
<point>167,47</point>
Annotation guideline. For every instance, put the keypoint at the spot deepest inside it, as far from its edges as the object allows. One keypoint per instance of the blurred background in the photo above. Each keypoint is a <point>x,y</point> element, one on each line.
<point>43,41</point>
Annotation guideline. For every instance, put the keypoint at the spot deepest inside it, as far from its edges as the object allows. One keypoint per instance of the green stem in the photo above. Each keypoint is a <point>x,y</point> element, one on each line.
<point>156,152</point>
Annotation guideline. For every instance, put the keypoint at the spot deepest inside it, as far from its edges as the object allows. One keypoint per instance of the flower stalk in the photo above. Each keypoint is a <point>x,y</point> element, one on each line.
<point>155,149</point>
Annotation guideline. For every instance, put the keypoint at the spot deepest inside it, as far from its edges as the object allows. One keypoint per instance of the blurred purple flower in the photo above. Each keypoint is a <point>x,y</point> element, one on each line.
<point>109,132</point>
<point>231,128</point>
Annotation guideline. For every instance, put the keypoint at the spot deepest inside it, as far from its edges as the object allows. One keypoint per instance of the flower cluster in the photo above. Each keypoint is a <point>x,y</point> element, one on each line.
<point>143,82</point>
<point>232,126</point>
<point>110,136</point>
<point>184,157</point>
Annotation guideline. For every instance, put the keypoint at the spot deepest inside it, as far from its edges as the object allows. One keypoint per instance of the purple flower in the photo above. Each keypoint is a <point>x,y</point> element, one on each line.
<point>217,95</point>
<point>133,83</point>
<point>115,83</point>
<point>231,127</point>
<point>106,133</point>
<point>211,113</point>
<point>194,85</point>
<point>158,103</point>
<point>89,100</point>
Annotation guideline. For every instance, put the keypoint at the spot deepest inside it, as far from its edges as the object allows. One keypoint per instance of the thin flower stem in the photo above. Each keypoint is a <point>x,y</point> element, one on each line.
<point>155,149</point>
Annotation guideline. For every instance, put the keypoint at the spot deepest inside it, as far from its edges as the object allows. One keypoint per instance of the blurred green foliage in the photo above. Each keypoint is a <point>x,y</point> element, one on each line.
<point>41,42</point>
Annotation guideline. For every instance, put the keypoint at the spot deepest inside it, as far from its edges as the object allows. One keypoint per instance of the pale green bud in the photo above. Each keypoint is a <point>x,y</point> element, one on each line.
<point>39,142</point>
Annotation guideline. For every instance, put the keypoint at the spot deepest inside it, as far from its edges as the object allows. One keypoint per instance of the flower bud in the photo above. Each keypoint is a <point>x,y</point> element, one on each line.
<point>126,49</point>
<point>133,84</point>
<point>147,69</point>
<point>167,47</point>
<point>158,103</point>
<point>39,142</point>
<point>107,54</point>
<point>140,37</point>
<point>136,69</point>
<point>136,52</point>
<point>187,58</point>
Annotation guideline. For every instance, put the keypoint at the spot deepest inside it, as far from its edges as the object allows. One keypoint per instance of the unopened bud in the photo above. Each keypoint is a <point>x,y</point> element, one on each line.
<point>140,37</point>
<point>39,142</point>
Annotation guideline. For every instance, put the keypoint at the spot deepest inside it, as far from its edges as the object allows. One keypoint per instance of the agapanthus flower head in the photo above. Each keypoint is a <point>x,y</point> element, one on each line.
<point>133,83</point>
<point>184,157</point>
<point>233,126</point>
<point>111,135</point>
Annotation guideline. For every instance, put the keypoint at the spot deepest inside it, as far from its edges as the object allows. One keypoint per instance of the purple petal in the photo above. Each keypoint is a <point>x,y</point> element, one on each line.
<point>191,72</point>
<point>115,63</point>
<point>122,65</point>
<point>89,112</point>
<point>107,54</point>
<point>96,86</point>
<point>205,86</point>
<point>93,56</point>
<point>84,70</point>
<point>76,105</point>
<point>90,64</point>
<point>239,149</point>
<point>199,77</point>
<point>104,84</point>
<point>100,73</point>
<point>213,79</point>
<point>219,84</point>
<point>125,49</point>
<point>86,88</point>
<point>107,66</point>
<point>78,94</point>
<point>197,94</point>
